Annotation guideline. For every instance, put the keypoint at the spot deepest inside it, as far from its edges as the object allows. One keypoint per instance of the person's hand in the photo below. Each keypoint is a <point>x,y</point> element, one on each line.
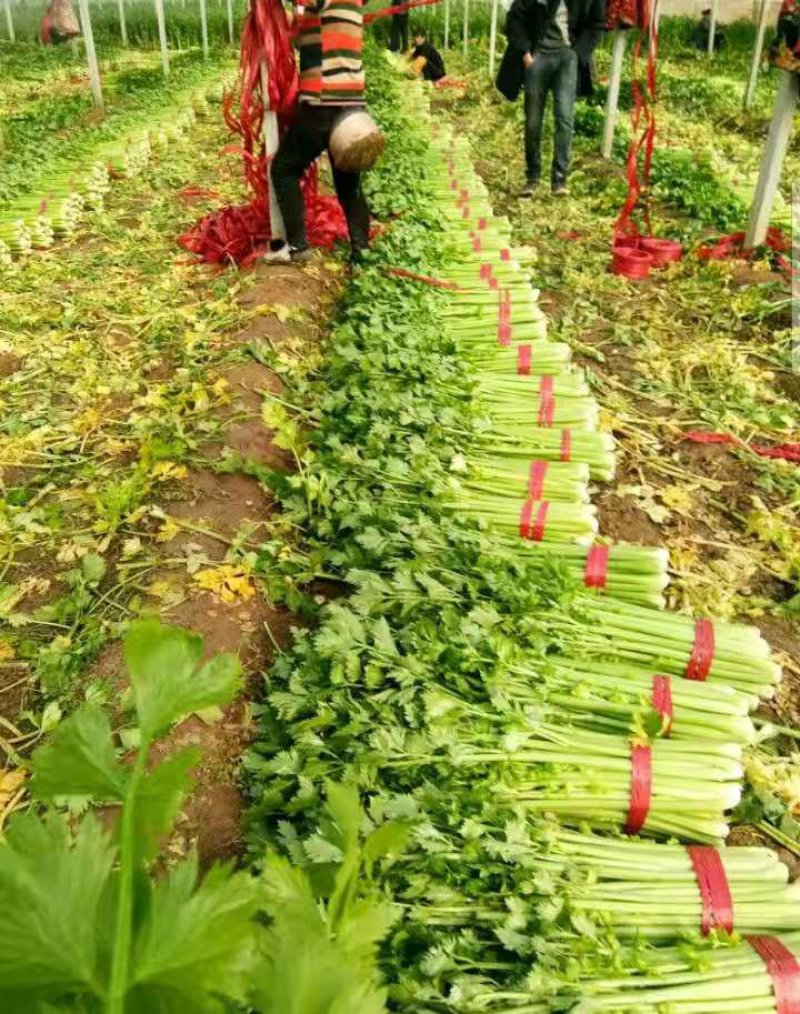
<point>527,60</point>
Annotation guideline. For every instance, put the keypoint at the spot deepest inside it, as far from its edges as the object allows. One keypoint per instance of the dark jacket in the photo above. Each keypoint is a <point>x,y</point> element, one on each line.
<point>434,64</point>
<point>525,25</point>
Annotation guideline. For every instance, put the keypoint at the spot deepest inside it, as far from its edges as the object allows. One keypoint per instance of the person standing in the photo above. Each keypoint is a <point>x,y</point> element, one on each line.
<point>547,39</point>
<point>330,35</point>
<point>398,39</point>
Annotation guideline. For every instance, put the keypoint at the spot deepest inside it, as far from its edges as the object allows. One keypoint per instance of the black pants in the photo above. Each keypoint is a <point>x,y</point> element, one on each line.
<point>399,33</point>
<point>305,141</point>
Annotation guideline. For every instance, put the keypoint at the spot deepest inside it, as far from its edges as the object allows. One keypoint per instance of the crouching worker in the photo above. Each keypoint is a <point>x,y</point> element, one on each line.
<point>330,36</point>
<point>547,39</point>
<point>426,60</point>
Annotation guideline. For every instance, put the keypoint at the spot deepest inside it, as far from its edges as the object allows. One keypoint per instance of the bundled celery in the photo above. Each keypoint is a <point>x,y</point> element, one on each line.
<point>558,521</point>
<point>595,449</point>
<point>604,628</point>
<point>560,480</point>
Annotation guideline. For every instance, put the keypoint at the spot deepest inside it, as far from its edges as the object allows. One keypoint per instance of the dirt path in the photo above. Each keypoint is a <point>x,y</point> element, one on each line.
<point>132,385</point>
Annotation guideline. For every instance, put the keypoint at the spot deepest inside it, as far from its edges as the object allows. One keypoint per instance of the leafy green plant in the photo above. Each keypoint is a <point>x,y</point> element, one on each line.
<point>83,924</point>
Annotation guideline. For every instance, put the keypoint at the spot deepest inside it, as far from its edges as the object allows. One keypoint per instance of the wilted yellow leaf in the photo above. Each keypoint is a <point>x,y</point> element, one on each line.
<point>678,498</point>
<point>166,470</point>
<point>227,581</point>
<point>167,531</point>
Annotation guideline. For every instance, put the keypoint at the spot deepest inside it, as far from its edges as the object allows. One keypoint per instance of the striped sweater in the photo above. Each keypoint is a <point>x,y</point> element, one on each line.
<point>330,37</point>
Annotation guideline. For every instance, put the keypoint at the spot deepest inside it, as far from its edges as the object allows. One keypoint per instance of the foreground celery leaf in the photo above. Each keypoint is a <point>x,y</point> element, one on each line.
<point>79,760</point>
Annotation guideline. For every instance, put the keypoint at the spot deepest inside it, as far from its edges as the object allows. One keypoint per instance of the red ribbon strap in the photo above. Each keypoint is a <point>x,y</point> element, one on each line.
<point>476,243</point>
<point>596,571</point>
<point>533,528</point>
<point>481,223</point>
<point>505,254</point>
<point>566,445</point>
<point>702,657</point>
<point>504,318</point>
<point>661,701</point>
<point>784,970</point>
<point>536,476</point>
<point>641,788</point>
<point>547,403</point>
<point>524,360</point>
<point>714,890</point>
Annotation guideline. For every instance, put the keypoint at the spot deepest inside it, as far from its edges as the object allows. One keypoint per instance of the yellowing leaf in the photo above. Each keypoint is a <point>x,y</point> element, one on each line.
<point>227,581</point>
<point>163,471</point>
<point>678,498</point>
<point>167,531</point>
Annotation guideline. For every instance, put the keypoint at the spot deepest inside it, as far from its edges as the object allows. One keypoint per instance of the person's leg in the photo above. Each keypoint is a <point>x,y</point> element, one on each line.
<point>394,36</point>
<point>354,204</point>
<point>404,31</point>
<point>305,140</point>
<point>537,78</point>
<point>565,82</point>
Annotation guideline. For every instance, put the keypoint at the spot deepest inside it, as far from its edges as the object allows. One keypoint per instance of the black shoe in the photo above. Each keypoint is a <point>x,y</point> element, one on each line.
<point>280,252</point>
<point>529,189</point>
<point>560,189</point>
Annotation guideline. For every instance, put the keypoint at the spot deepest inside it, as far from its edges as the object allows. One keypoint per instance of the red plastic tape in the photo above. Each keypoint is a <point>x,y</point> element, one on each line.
<point>538,470</point>
<point>595,573</point>
<point>504,318</point>
<point>566,445</point>
<point>714,890</point>
<point>784,970</point>
<point>661,701</point>
<point>481,223</point>
<point>505,254</point>
<point>641,788</point>
<point>476,243</point>
<point>485,272</point>
<point>524,360</point>
<point>547,403</point>
<point>702,657</point>
<point>531,527</point>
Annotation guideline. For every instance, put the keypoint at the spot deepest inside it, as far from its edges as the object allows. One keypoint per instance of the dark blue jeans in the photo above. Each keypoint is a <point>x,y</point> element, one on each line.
<point>557,73</point>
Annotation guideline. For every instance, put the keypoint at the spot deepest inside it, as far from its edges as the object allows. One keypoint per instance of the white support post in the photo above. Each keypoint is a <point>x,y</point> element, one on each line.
<point>712,28</point>
<point>10,21</point>
<point>769,175</point>
<point>123,31</point>
<point>752,80</point>
<point>204,26</point>
<point>493,38</point>
<point>162,36</point>
<point>278,229</point>
<point>465,27</point>
<point>91,54</point>
<point>612,99</point>
<point>446,23</point>
<point>230,21</point>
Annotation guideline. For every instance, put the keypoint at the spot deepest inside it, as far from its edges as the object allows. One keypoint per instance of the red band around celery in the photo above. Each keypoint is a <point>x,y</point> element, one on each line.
<point>504,318</point>
<point>524,360</point>
<point>547,403</point>
<point>505,254</point>
<point>476,243</point>
<point>481,223</point>
<point>531,526</point>
<point>538,470</point>
<point>641,788</point>
<point>595,573</point>
<point>454,183</point>
<point>702,657</point>
<point>485,272</point>
<point>661,701</point>
<point>465,211</point>
<point>566,445</point>
<point>784,970</point>
<point>714,890</point>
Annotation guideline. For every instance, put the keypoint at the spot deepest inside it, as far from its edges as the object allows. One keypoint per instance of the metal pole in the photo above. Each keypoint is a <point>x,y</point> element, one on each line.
<point>493,37</point>
<point>466,28</point>
<point>123,31</point>
<point>446,23</point>
<point>712,28</point>
<point>752,81</point>
<point>162,36</point>
<point>772,161</point>
<point>230,21</point>
<point>91,53</point>
<point>10,22</point>
<point>204,26</point>
<point>612,99</point>
<point>278,229</point>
